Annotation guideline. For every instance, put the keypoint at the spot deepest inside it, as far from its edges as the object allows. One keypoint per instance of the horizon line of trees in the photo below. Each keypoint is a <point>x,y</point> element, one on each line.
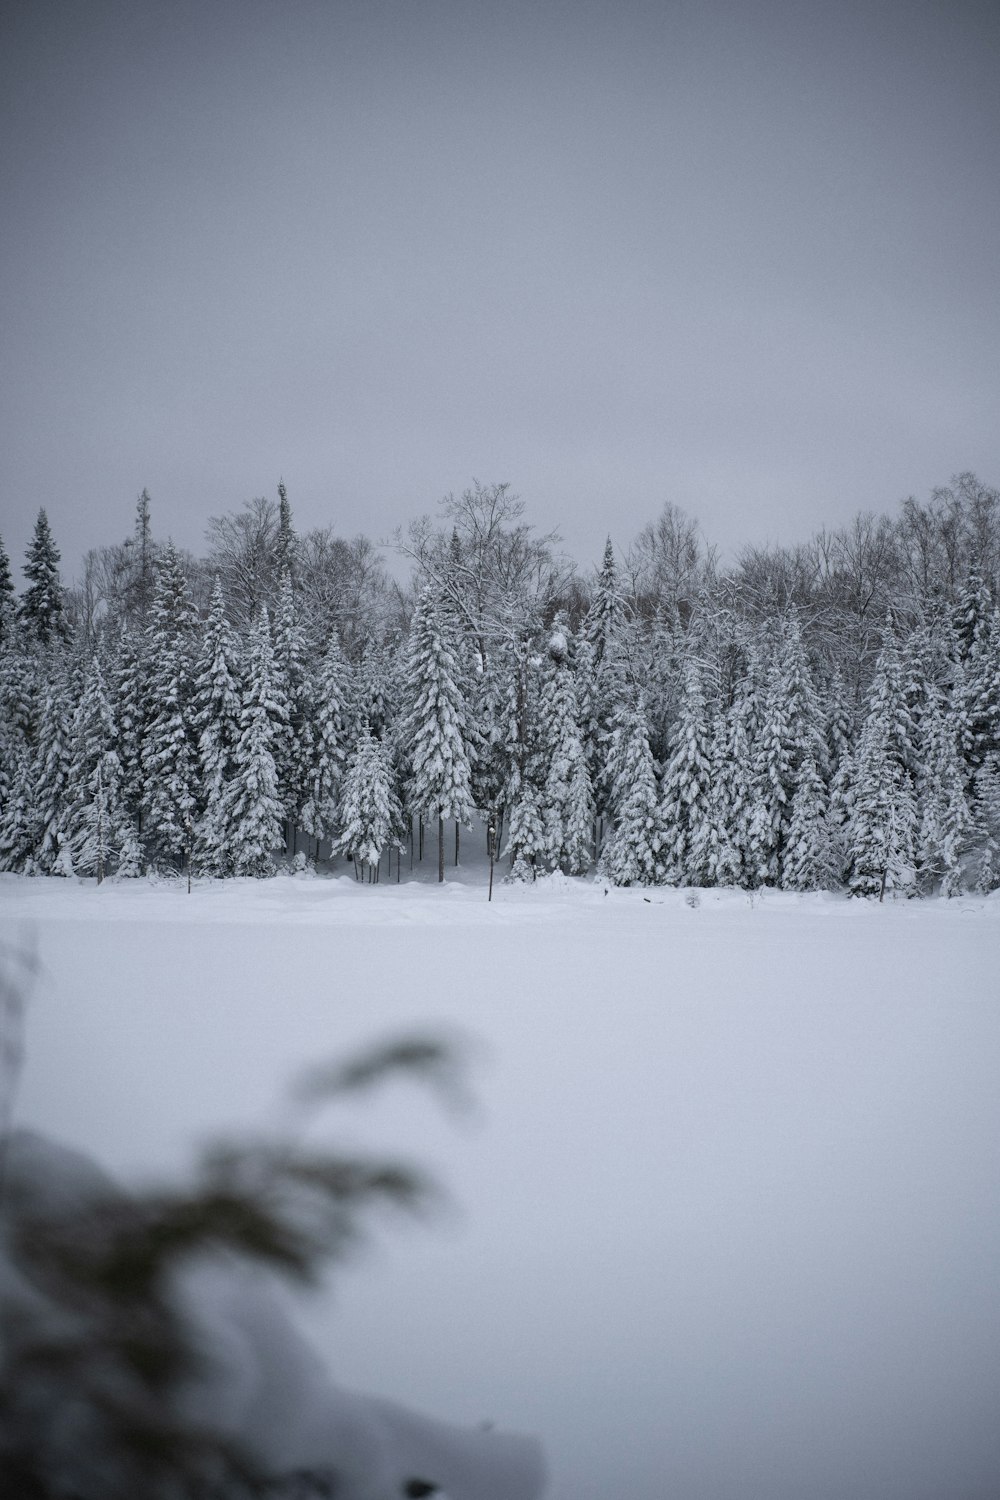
<point>809,718</point>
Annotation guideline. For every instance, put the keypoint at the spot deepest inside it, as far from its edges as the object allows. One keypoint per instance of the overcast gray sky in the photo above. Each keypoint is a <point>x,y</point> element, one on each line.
<point>740,257</point>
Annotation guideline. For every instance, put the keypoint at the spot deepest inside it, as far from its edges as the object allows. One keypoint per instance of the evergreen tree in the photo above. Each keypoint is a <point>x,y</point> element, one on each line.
<point>169,753</point>
<point>100,834</point>
<point>42,605</point>
<point>216,712</point>
<point>739,810</point>
<point>286,542</point>
<point>811,861</point>
<point>567,800</point>
<point>48,792</point>
<point>252,810</point>
<point>977,696</point>
<point>687,788</point>
<point>334,692</point>
<point>987,813</point>
<point>882,834</point>
<point>439,775</point>
<point>371,817</point>
<point>526,835</point>
<point>291,685</point>
<point>944,818</point>
<point>633,849</point>
<point>604,632</point>
<point>130,697</point>
<point>7,606</point>
<point>144,557</point>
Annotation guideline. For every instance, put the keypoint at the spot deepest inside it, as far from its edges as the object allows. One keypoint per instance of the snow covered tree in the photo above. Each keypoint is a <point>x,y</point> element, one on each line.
<point>567,800</point>
<point>977,695</point>
<point>811,860</point>
<point>987,813</point>
<point>252,810</point>
<point>883,819</point>
<point>332,725</point>
<point>42,604</point>
<point>101,835</point>
<point>371,816</point>
<point>632,852</point>
<point>286,542</point>
<point>216,711</point>
<point>169,753</point>
<point>604,632</point>
<point>526,834</point>
<point>294,748</point>
<point>944,817</point>
<point>687,788</point>
<point>7,605</point>
<point>49,786</point>
<point>439,774</point>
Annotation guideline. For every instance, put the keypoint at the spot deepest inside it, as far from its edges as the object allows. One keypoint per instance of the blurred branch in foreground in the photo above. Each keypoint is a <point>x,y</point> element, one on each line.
<point>144,1353</point>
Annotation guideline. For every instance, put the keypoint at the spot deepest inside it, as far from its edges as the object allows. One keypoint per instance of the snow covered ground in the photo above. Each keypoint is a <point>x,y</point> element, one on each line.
<point>725,1221</point>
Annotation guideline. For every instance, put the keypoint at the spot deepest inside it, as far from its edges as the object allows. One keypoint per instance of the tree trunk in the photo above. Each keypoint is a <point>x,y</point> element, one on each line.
<point>457,830</point>
<point>440,851</point>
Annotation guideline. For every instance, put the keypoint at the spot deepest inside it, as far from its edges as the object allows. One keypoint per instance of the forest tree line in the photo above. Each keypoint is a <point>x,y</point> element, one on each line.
<point>812,717</point>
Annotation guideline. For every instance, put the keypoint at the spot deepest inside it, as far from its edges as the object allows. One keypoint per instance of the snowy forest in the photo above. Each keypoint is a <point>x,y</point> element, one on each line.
<point>823,716</point>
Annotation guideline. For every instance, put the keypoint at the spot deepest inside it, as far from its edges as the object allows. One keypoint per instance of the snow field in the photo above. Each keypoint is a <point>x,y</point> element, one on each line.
<point>724,1220</point>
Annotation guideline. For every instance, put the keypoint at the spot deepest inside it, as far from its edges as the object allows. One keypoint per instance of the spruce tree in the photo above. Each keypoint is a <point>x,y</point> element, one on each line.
<point>291,685</point>
<point>7,604</point>
<point>686,808</point>
<point>216,710</point>
<point>567,799</point>
<point>332,728</point>
<point>883,827</point>
<point>810,856</point>
<point>169,753</point>
<point>371,816</point>
<point>633,848</point>
<point>944,818</point>
<point>439,783</point>
<point>42,604</point>
<point>101,835</point>
<point>526,834</point>
<point>252,810</point>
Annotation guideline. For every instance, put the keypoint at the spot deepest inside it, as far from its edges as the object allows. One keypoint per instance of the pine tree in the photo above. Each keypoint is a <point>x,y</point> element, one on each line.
<point>169,753</point>
<point>100,834</point>
<point>687,788</point>
<point>977,696</point>
<point>7,605</point>
<point>633,849</point>
<point>526,834</point>
<point>216,710</point>
<point>987,814</point>
<point>883,820</point>
<point>144,557</point>
<point>286,542</point>
<point>439,775</point>
<point>567,799</point>
<point>810,856</point>
<point>49,787</point>
<point>972,614</point>
<point>294,749</point>
<point>371,816</point>
<point>944,817</point>
<point>334,693</point>
<point>739,809</point>
<point>792,733</point>
<point>252,809</point>
<point>604,632</point>
<point>42,605</point>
